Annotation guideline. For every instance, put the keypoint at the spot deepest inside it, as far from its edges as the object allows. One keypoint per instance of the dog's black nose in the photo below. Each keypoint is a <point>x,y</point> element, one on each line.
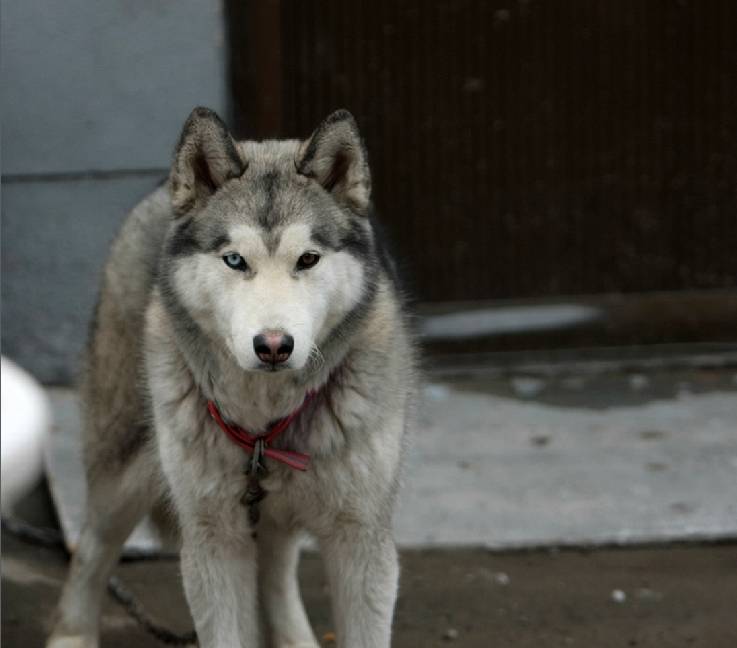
<point>273,346</point>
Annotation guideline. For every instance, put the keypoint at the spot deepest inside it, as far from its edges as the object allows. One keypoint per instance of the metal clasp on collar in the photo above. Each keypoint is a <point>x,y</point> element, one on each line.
<point>254,493</point>
<point>257,465</point>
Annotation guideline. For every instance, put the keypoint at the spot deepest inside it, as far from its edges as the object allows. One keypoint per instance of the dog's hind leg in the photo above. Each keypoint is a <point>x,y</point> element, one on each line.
<point>116,501</point>
<point>286,619</point>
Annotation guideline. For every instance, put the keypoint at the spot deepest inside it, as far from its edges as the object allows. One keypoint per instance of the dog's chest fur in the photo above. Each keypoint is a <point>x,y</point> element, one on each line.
<point>355,447</point>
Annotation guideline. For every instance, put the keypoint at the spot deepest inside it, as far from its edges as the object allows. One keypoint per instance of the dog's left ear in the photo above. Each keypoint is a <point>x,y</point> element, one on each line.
<point>204,160</point>
<point>336,158</point>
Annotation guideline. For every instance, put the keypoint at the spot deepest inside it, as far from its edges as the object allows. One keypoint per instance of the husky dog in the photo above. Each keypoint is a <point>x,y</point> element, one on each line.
<point>251,362</point>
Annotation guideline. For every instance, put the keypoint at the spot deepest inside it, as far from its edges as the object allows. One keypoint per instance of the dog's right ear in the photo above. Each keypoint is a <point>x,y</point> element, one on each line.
<point>205,158</point>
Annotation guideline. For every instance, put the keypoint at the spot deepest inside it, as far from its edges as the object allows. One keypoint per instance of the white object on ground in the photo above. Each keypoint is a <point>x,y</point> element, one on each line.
<point>618,596</point>
<point>25,424</point>
<point>501,578</point>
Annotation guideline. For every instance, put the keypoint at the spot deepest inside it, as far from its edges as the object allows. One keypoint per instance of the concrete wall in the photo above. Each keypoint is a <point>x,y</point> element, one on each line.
<point>94,93</point>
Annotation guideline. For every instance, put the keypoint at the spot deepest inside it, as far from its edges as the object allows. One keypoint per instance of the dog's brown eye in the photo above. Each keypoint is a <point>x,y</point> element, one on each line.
<point>307,260</point>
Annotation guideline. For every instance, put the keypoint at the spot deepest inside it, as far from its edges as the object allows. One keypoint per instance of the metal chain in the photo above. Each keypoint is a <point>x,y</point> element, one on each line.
<point>47,537</point>
<point>134,609</point>
<point>43,536</point>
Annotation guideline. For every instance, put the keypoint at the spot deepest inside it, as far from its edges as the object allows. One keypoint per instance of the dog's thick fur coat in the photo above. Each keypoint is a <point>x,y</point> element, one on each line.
<point>174,328</point>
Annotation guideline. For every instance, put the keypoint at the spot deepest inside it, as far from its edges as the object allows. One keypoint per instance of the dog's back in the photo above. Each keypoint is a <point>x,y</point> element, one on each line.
<point>113,398</point>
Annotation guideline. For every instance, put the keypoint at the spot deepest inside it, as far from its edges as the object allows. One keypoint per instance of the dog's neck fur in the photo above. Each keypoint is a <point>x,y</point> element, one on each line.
<point>251,399</point>
<point>254,399</point>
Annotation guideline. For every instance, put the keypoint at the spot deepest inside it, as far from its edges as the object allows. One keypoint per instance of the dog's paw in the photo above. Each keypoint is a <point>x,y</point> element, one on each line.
<point>72,642</point>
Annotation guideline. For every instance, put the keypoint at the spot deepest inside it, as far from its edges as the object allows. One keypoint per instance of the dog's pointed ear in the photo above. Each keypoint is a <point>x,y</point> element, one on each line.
<point>336,158</point>
<point>205,158</point>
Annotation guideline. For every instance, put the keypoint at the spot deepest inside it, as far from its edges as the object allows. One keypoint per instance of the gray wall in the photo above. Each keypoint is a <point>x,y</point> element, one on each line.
<point>94,93</point>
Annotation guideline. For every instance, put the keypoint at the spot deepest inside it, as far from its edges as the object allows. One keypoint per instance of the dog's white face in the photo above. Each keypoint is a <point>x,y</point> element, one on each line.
<point>242,290</point>
<point>271,249</point>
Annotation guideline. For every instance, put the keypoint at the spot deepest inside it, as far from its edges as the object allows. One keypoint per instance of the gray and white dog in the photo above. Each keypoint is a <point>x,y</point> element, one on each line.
<point>251,362</point>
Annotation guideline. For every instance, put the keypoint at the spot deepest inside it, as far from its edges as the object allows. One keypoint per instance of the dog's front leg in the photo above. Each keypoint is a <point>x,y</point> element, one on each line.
<point>219,573</point>
<point>362,570</point>
<point>285,616</point>
<point>218,557</point>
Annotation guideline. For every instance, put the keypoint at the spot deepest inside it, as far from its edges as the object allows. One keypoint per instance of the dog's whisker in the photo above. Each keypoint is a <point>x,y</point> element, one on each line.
<point>317,358</point>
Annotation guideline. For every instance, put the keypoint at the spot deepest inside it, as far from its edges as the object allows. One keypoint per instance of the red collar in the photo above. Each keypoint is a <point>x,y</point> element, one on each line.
<point>248,441</point>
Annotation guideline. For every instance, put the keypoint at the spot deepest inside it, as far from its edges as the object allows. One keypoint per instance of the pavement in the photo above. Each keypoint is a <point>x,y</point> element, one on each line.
<point>522,460</point>
<point>553,508</point>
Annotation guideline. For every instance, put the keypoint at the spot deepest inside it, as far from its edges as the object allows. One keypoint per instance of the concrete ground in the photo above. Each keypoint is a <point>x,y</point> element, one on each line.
<point>584,459</point>
<point>658,597</point>
<point>561,456</point>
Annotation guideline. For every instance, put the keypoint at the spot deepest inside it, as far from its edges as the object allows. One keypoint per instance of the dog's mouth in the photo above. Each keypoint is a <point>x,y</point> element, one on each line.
<point>270,367</point>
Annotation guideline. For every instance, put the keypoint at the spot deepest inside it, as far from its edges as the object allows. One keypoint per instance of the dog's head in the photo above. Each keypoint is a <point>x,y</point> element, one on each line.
<point>271,248</point>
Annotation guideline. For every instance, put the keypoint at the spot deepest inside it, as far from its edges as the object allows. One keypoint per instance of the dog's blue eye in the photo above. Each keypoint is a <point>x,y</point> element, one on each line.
<point>235,261</point>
